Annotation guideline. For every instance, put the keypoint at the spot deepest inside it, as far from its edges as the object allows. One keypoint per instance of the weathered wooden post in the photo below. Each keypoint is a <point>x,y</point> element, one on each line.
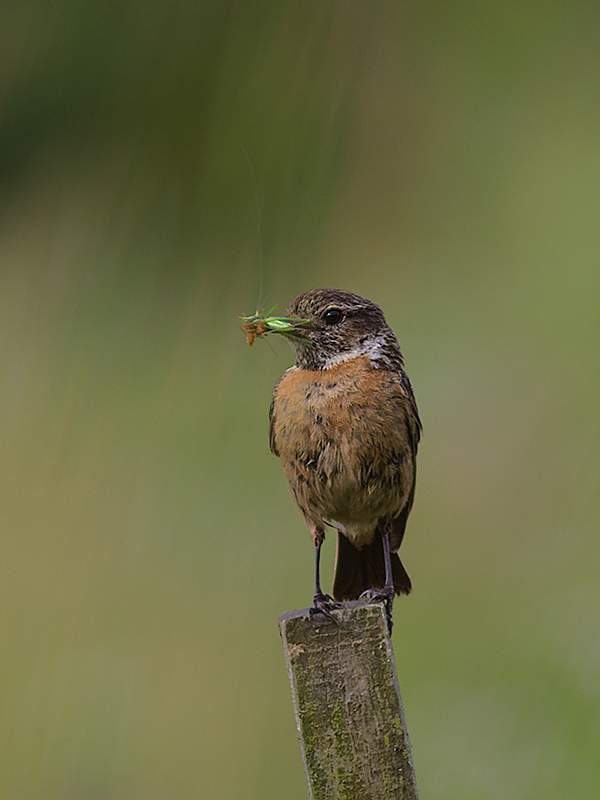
<point>347,702</point>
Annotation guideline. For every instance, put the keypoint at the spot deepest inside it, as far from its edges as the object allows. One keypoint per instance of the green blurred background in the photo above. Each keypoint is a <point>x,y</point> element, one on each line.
<point>443,159</point>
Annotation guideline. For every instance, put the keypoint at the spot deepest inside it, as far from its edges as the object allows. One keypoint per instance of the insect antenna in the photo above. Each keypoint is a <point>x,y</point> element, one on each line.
<point>259,225</point>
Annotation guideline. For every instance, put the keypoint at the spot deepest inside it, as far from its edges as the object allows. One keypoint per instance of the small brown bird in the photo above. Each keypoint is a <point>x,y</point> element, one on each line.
<point>344,422</point>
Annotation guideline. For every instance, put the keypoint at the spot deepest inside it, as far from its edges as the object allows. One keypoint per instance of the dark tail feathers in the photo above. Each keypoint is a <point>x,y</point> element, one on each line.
<point>359,570</point>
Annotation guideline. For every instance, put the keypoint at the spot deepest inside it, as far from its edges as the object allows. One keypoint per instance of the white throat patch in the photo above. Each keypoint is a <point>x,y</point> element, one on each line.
<point>373,348</point>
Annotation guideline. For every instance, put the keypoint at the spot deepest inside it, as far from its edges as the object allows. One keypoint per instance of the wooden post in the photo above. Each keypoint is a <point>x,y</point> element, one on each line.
<point>348,707</point>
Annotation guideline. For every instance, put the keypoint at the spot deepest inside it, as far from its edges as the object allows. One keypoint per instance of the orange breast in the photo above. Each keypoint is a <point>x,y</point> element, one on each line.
<point>343,435</point>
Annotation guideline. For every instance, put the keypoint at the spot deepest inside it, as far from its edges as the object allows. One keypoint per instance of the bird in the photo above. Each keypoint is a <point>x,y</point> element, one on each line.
<point>344,423</point>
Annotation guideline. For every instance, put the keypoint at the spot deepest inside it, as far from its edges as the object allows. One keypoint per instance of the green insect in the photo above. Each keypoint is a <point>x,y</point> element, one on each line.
<point>259,325</point>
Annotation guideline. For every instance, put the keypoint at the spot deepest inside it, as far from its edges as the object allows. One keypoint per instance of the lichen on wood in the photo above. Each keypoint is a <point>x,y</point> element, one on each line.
<point>348,707</point>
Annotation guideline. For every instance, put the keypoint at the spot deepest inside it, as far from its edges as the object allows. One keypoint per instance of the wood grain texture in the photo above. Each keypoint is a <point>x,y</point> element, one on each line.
<point>348,707</point>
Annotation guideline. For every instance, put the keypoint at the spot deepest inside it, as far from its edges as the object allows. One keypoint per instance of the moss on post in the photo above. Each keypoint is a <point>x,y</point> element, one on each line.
<point>349,712</point>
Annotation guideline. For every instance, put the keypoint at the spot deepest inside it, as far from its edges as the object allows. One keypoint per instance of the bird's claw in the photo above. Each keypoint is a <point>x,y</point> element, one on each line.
<point>385,596</point>
<point>323,604</point>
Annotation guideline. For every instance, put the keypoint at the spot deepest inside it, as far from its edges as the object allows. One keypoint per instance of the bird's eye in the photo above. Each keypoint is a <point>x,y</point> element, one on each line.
<point>333,316</point>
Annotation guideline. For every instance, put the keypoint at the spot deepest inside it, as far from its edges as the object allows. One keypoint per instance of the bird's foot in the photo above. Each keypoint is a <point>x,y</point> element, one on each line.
<point>385,596</point>
<point>324,604</point>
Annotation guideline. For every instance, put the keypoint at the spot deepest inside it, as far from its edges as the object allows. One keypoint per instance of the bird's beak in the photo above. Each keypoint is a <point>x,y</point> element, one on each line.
<point>290,327</point>
<point>259,325</point>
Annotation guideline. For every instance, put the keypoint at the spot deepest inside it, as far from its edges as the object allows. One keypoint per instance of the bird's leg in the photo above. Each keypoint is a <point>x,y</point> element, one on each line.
<point>387,560</point>
<point>322,603</point>
<point>387,592</point>
<point>388,589</point>
<point>318,592</point>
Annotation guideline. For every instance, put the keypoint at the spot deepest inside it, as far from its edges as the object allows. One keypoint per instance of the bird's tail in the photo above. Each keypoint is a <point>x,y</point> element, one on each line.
<point>359,570</point>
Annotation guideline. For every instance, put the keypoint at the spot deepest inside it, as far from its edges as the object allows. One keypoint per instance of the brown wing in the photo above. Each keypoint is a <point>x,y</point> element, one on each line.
<point>399,524</point>
<point>414,430</point>
<point>416,426</point>
<point>272,421</point>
